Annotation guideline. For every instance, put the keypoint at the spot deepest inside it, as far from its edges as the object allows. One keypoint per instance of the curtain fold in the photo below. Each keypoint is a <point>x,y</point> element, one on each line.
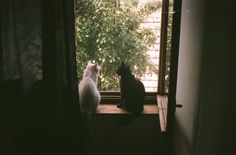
<point>59,61</point>
<point>21,42</point>
<point>59,69</point>
<point>9,57</point>
<point>39,110</point>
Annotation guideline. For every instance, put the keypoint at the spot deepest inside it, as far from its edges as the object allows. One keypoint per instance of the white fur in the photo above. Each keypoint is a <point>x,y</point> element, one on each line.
<point>89,96</point>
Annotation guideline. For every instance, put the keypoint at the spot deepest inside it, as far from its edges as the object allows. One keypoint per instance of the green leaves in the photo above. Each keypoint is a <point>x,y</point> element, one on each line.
<point>109,35</point>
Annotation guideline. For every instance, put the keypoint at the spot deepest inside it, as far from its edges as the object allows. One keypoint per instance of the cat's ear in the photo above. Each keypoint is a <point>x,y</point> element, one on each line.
<point>97,66</point>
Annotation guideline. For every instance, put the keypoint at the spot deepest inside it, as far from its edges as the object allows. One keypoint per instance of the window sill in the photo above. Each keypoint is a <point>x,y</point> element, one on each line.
<point>112,109</point>
<point>159,109</point>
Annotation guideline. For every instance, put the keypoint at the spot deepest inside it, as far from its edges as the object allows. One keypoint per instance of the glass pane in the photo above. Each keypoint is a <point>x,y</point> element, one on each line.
<point>112,31</point>
<point>168,47</point>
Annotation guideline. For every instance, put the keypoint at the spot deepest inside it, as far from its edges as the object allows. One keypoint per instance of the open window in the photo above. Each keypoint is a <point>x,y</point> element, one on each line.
<point>137,32</point>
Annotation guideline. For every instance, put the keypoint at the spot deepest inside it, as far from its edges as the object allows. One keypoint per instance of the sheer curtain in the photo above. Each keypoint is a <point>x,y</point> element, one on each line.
<point>39,112</point>
<point>21,41</point>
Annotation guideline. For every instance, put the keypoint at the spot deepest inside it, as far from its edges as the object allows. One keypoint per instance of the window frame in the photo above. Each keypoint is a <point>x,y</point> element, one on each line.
<point>113,97</point>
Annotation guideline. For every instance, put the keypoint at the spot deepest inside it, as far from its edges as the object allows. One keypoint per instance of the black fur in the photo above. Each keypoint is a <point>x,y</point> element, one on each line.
<point>132,91</point>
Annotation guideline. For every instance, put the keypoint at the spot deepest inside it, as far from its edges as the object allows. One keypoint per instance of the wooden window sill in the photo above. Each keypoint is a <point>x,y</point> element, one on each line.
<point>112,109</point>
<point>159,109</point>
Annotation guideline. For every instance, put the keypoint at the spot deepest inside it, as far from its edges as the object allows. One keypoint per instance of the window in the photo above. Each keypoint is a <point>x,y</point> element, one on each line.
<point>137,32</point>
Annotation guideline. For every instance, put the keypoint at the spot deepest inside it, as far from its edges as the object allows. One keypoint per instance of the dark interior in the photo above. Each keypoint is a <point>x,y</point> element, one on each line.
<point>39,112</point>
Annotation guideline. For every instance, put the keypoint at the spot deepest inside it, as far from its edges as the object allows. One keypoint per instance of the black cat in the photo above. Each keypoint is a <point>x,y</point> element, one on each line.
<point>132,91</point>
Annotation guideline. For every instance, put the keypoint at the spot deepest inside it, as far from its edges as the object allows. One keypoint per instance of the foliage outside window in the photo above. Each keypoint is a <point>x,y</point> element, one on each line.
<point>109,33</point>
<point>168,45</point>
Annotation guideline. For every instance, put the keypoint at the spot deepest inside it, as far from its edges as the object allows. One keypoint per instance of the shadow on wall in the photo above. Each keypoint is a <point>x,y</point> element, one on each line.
<point>141,137</point>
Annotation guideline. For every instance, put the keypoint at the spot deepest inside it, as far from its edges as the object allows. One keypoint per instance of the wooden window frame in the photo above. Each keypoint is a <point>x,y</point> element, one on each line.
<point>108,97</point>
<point>113,97</point>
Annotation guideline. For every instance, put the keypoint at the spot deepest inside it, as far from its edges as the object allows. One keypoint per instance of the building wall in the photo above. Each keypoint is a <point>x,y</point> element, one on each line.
<point>153,23</point>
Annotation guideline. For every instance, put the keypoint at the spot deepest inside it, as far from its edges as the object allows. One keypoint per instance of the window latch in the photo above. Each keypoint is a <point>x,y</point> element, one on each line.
<point>178,105</point>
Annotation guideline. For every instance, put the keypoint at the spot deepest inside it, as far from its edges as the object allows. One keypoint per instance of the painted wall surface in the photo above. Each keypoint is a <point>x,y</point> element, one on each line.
<point>205,86</point>
<point>189,75</point>
<point>140,137</point>
<point>217,125</point>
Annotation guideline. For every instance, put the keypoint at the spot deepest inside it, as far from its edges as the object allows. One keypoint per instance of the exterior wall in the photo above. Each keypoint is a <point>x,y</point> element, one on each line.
<point>153,23</point>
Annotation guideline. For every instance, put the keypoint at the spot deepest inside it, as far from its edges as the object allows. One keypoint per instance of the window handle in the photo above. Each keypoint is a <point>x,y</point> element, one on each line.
<point>178,105</point>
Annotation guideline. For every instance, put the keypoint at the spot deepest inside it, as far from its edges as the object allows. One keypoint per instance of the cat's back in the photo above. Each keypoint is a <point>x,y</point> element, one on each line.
<point>89,96</point>
<point>87,83</point>
<point>139,86</point>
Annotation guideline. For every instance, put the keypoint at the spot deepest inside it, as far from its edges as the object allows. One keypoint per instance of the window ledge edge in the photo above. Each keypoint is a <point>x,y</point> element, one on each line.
<point>104,109</point>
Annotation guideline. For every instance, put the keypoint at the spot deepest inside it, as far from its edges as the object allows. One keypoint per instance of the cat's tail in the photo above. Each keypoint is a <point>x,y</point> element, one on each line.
<point>87,132</point>
<point>86,120</point>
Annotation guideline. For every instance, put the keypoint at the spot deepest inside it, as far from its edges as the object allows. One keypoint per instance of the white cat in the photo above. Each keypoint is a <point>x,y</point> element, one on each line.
<point>89,96</point>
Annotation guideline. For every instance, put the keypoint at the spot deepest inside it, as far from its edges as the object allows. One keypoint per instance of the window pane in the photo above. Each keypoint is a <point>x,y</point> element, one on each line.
<point>168,47</point>
<point>152,22</point>
<point>112,31</point>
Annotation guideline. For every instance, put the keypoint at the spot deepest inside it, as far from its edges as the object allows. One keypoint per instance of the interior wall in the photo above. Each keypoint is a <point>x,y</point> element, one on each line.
<point>216,129</point>
<point>189,75</point>
<point>110,135</point>
<point>205,85</point>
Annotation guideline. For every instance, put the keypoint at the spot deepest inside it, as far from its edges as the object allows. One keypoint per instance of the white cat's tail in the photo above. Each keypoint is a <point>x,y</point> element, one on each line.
<point>87,124</point>
<point>87,133</point>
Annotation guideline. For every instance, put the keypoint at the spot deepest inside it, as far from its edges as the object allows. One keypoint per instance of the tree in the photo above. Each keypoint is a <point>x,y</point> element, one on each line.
<point>168,46</point>
<point>108,32</point>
